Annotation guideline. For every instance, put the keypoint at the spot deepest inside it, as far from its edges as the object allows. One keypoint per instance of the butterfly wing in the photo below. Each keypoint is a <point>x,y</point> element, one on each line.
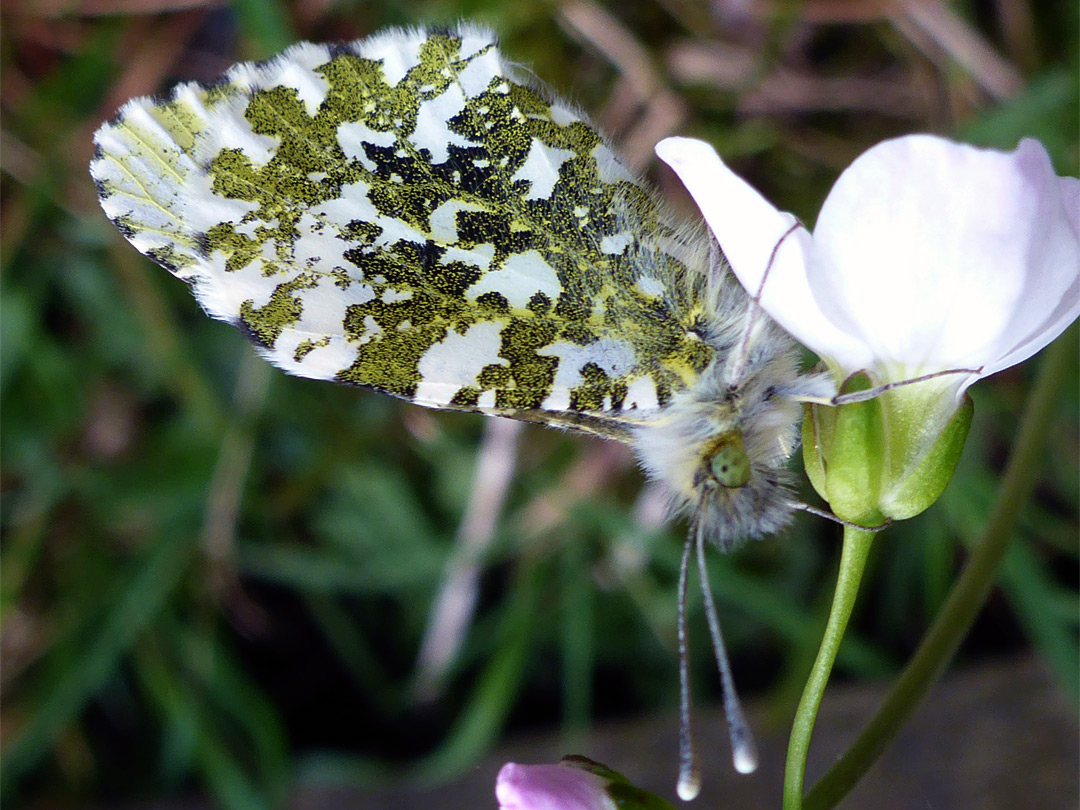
<point>409,213</point>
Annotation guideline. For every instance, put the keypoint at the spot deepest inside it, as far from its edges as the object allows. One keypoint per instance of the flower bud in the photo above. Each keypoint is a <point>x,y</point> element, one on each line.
<point>575,783</point>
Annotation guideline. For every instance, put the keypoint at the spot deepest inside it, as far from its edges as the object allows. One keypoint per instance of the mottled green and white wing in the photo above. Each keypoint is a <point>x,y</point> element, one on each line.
<point>411,214</point>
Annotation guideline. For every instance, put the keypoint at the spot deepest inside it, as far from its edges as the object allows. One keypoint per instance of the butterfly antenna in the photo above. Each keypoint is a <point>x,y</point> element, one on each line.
<point>821,513</point>
<point>744,752</point>
<point>877,391</point>
<point>689,784</point>
<point>736,369</point>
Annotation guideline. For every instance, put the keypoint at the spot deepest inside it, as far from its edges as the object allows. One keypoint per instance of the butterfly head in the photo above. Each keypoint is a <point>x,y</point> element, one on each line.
<point>725,463</point>
<point>722,452</point>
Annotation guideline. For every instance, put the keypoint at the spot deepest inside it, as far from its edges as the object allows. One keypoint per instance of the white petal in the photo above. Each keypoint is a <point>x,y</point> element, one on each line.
<point>1051,299</point>
<point>1056,322</point>
<point>1070,198</point>
<point>922,248</point>
<point>748,229</point>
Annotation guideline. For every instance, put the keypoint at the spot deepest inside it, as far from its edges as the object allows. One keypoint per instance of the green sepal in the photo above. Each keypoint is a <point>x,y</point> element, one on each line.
<point>852,457</point>
<point>921,483</point>
<point>630,797</point>
<point>817,432</point>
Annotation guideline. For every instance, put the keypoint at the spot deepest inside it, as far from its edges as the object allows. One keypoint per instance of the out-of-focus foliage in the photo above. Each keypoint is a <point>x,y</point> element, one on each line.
<point>215,576</point>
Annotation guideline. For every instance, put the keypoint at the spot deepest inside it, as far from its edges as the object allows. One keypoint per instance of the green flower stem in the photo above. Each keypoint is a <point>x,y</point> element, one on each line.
<point>852,562</point>
<point>967,596</point>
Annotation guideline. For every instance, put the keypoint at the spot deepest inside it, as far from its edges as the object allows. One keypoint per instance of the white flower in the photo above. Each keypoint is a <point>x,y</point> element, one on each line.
<point>928,255</point>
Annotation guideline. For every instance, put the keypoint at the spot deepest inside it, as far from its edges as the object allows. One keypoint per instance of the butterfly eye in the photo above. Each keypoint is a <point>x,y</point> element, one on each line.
<point>729,464</point>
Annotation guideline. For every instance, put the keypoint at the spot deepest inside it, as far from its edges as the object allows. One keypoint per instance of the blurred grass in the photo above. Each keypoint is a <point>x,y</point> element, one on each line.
<point>216,578</point>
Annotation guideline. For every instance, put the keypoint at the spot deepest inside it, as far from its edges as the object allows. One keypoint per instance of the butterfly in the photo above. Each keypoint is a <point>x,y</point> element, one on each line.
<point>414,214</point>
